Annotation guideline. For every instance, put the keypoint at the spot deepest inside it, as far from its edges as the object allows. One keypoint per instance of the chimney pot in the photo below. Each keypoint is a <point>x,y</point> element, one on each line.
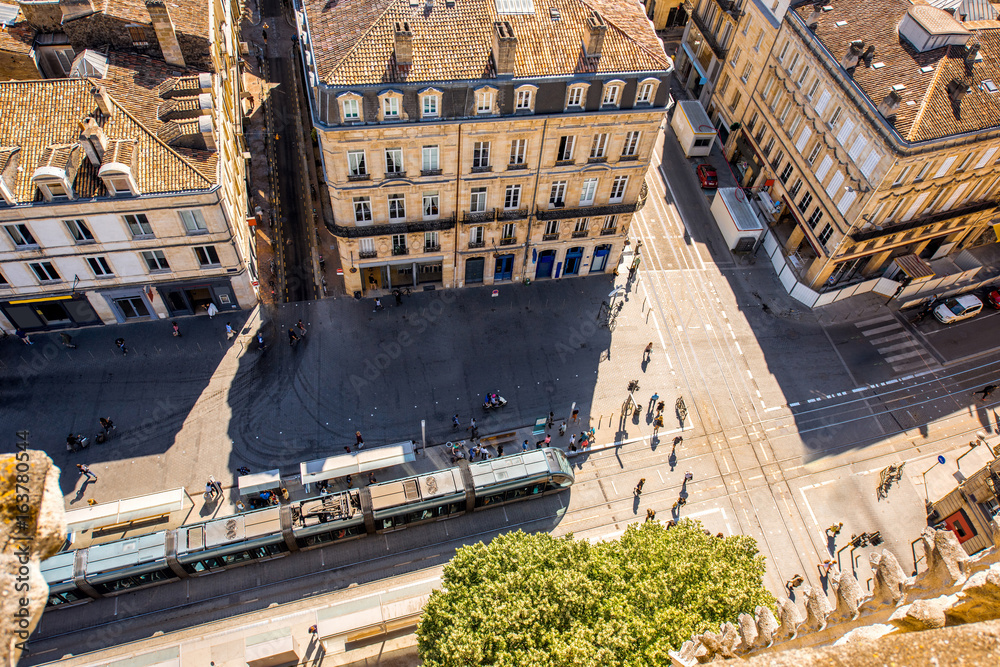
<point>956,90</point>
<point>94,140</point>
<point>853,55</point>
<point>504,48</point>
<point>103,100</point>
<point>404,43</point>
<point>890,104</point>
<point>869,54</point>
<point>594,35</point>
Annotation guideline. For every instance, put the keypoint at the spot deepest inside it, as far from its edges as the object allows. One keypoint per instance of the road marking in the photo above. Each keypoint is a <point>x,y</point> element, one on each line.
<point>881,318</point>
<point>872,332</point>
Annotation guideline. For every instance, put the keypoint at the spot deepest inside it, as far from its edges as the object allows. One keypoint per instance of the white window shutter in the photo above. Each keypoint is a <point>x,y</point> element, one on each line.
<point>846,201</point>
<point>803,139</point>
<point>824,167</point>
<point>835,183</point>
<point>824,99</point>
<point>917,203</point>
<point>987,156</point>
<point>870,163</point>
<point>954,196</point>
<point>857,147</point>
<point>945,166</point>
<point>845,131</point>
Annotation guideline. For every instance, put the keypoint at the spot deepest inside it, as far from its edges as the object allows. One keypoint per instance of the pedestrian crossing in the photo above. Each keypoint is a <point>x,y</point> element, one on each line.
<point>898,347</point>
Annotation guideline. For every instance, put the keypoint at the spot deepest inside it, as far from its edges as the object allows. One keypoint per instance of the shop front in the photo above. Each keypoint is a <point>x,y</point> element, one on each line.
<point>745,161</point>
<point>51,312</point>
<point>425,273</point>
<point>193,298</point>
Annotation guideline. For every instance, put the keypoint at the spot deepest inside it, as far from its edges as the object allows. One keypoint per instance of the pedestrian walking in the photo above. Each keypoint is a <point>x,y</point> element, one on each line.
<point>499,451</point>
<point>794,582</point>
<point>378,305</point>
<point>84,470</point>
<point>650,514</point>
<point>292,337</point>
<point>688,476</point>
<point>301,327</point>
<point>120,342</point>
<point>455,423</point>
<point>107,425</point>
<point>653,399</point>
<point>548,440</point>
<point>986,391</point>
<point>576,415</point>
<point>572,443</point>
<point>371,478</point>
<point>23,336</point>
<point>562,428</point>
<point>638,487</point>
<point>681,502</point>
<point>827,566</point>
<point>659,407</point>
<point>648,353</point>
<point>313,630</point>
<point>67,341</point>
<point>551,421</point>
<point>212,310</point>
<point>524,446</point>
<point>677,440</point>
<point>359,441</point>
<point>835,529</point>
<point>91,502</point>
<point>347,449</point>
<point>209,491</point>
<point>399,297</point>
<point>243,470</point>
<point>657,424</point>
<point>349,481</point>
<point>177,329</point>
<point>229,331</point>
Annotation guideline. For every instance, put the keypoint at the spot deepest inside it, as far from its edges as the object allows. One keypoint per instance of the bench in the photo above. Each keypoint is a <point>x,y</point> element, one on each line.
<point>499,438</point>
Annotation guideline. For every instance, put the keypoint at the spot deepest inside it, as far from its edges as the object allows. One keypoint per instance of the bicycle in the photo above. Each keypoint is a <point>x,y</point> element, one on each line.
<point>681,407</point>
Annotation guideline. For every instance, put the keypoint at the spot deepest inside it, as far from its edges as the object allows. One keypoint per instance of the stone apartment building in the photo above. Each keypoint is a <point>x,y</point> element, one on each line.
<point>481,141</point>
<point>872,130</point>
<point>122,165</point>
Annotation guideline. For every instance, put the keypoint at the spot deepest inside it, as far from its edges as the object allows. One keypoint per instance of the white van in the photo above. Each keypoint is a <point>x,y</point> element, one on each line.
<point>958,308</point>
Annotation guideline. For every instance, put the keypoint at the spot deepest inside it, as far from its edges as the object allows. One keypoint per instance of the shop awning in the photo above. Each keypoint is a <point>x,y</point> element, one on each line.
<point>914,267</point>
<point>259,482</point>
<point>354,463</point>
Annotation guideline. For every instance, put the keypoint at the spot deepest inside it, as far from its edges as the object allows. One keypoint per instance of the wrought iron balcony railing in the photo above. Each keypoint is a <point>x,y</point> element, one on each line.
<point>366,231</point>
<point>885,230</point>
<point>706,31</point>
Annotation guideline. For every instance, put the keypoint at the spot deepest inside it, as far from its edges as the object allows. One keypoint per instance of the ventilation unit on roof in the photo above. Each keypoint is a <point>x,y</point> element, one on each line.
<point>554,14</point>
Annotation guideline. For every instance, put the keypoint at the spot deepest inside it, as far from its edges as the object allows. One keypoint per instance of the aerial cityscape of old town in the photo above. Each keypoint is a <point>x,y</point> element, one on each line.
<point>499,332</point>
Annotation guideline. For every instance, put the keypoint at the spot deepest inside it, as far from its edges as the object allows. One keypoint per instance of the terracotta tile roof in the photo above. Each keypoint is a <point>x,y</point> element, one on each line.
<point>37,115</point>
<point>17,38</point>
<point>352,40</point>
<point>190,17</point>
<point>930,114</point>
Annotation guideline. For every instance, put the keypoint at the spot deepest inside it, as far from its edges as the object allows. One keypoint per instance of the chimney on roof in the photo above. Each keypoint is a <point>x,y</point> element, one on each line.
<point>890,104</point>
<point>504,47</point>
<point>404,44</point>
<point>853,55</point>
<point>868,55</point>
<point>956,91</point>
<point>93,139</point>
<point>103,100</point>
<point>817,12</point>
<point>166,34</point>
<point>594,35</point>
<point>971,53</point>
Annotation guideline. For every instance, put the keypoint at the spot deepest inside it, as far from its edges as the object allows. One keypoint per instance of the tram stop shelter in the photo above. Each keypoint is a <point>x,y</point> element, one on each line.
<point>130,517</point>
<point>356,463</point>
<point>259,482</point>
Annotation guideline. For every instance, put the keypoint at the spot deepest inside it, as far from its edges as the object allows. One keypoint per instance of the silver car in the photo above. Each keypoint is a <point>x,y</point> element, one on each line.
<point>958,308</point>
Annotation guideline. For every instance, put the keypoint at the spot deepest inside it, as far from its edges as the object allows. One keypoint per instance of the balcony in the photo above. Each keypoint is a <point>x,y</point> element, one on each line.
<point>367,254</point>
<point>517,165</point>
<point>729,6</point>
<point>608,231</point>
<point>596,160</point>
<point>513,214</point>
<point>885,230</point>
<point>710,39</point>
<point>400,250</point>
<point>368,231</point>
<point>582,234</point>
<point>430,172</point>
<point>359,177</point>
<point>589,211</point>
<point>510,241</point>
<point>478,217</point>
<point>565,163</point>
<point>628,158</point>
<point>481,169</point>
<point>395,174</point>
<point>476,244</point>
<point>432,248</point>
<point>550,237</point>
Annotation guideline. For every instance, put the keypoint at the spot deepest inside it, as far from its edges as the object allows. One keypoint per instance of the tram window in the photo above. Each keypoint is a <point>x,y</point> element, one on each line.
<point>65,597</point>
<point>399,520</point>
<point>152,577</point>
<point>514,494</point>
<point>489,500</point>
<point>414,517</point>
<point>386,523</point>
<point>126,583</point>
<point>537,488</point>
<point>232,559</point>
<point>455,508</point>
<point>205,564</point>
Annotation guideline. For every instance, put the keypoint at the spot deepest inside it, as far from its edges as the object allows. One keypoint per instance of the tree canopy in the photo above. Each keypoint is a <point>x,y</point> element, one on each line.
<point>533,599</point>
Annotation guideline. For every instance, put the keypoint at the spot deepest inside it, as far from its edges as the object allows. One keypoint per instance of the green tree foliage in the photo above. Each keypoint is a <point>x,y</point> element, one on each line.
<point>538,600</point>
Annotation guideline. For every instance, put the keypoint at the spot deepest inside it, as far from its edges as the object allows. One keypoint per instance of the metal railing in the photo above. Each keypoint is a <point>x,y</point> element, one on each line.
<point>400,250</point>
<point>365,231</point>
<point>510,241</point>
<point>706,31</point>
<point>922,221</point>
<point>367,254</point>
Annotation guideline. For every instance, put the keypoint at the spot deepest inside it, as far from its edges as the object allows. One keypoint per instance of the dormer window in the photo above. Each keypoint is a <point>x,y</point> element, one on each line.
<point>646,91</point>
<point>10,158</point>
<point>350,107</point>
<point>576,95</point>
<point>118,167</point>
<point>56,171</point>
<point>390,105</point>
<point>485,101</point>
<point>430,103</point>
<point>612,93</point>
<point>524,99</point>
<point>54,191</point>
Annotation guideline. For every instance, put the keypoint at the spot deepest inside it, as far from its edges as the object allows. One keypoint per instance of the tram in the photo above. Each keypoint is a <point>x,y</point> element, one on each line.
<point>103,570</point>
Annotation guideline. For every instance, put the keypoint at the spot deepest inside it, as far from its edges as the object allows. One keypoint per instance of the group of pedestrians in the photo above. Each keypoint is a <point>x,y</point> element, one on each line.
<point>678,504</point>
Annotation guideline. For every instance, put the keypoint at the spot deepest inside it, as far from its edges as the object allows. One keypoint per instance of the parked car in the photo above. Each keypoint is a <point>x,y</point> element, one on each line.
<point>958,308</point>
<point>993,297</point>
<point>707,176</point>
